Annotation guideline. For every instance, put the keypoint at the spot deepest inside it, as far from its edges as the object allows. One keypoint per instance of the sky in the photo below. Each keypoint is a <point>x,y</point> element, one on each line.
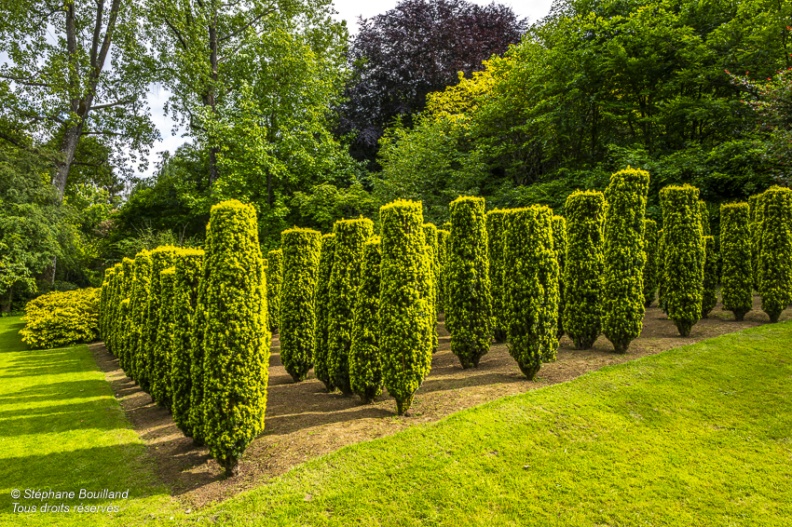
<point>348,10</point>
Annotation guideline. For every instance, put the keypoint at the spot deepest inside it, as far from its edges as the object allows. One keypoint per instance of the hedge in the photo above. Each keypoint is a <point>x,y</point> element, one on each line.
<point>650,274</point>
<point>301,253</point>
<point>122,334</point>
<point>344,281</point>
<point>660,263</point>
<point>705,218</point>
<point>683,270</point>
<point>138,313</point>
<point>736,272</point>
<point>775,259</point>
<point>188,269</point>
<point>236,338</point>
<point>274,287</point>
<point>469,316</point>
<point>442,270</point>
<point>405,329</point>
<point>321,369</point>
<point>710,285</point>
<point>531,291</point>
<point>155,381</point>
<point>560,244</point>
<point>430,236</point>
<point>163,347</point>
<point>757,219</point>
<point>623,294</point>
<point>114,287</point>
<point>496,238</point>
<point>365,363</point>
<point>584,267</point>
<point>61,318</point>
<point>104,302</point>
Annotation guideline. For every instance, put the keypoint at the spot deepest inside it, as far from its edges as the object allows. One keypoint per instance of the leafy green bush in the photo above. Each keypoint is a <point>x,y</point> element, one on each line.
<point>623,294</point>
<point>274,287</point>
<point>531,288</point>
<point>442,269</point>
<point>560,244</point>
<point>344,281</point>
<point>660,263</point>
<point>584,267</point>
<point>104,302</point>
<point>321,368</point>
<point>430,235</point>
<point>61,318</point>
<point>155,381</point>
<point>650,278</point>
<point>365,363</point>
<point>405,329</point>
<point>683,269</point>
<point>301,253</point>
<point>710,292</point>
<point>163,347</point>
<point>736,274</point>
<point>496,238</point>
<point>775,259</point>
<point>469,310</point>
<point>757,220</point>
<point>138,313</point>
<point>122,334</point>
<point>236,339</point>
<point>113,286</point>
<point>705,218</point>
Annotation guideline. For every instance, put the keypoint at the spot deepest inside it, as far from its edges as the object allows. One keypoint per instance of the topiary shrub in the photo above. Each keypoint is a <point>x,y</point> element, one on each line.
<point>236,338</point>
<point>560,245</point>
<point>710,285</point>
<point>496,238</point>
<point>584,267</point>
<point>442,269</point>
<point>61,318</point>
<point>623,294</point>
<point>113,307</point>
<point>757,220</point>
<point>650,274</point>
<point>430,235</point>
<point>775,259</point>
<point>469,316</point>
<point>138,313</point>
<point>104,302</point>
<point>274,287</point>
<point>405,330</point>
<point>301,253</point>
<point>122,335</point>
<point>531,290</point>
<point>155,381</point>
<point>683,270</point>
<point>365,363</point>
<point>188,269</point>
<point>163,347</point>
<point>660,262</point>
<point>321,368</point>
<point>705,218</point>
<point>344,281</point>
<point>736,273</point>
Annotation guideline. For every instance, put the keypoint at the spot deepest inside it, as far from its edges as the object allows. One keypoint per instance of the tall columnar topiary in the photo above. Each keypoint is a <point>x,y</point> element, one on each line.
<point>650,278</point>
<point>757,220</point>
<point>705,218</point>
<point>301,252</point>
<point>163,347</point>
<point>138,313</point>
<point>775,259</point>
<point>430,235</point>
<point>710,285</point>
<point>105,315</point>
<point>683,270</point>
<point>660,263</point>
<point>344,281</point>
<point>405,329</point>
<point>128,265</point>
<point>188,268</point>
<point>496,238</point>
<point>115,323</point>
<point>736,271</point>
<point>623,292</point>
<point>531,292</point>
<point>365,363</point>
<point>155,381</point>
<point>321,368</point>
<point>442,269</point>
<point>469,316</point>
<point>236,339</point>
<point>560,245</point>
<point>584,267</point>
<point>274,287</point>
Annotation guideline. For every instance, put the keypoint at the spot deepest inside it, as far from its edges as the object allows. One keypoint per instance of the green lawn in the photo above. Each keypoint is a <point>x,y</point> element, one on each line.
<point>700,435</point>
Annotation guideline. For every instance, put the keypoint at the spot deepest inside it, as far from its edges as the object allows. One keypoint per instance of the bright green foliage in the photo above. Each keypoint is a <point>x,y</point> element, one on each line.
<point>584,267</point>
<point>122,336</point>
<point>156,381</point>
<point>683,259</point>
<point>469,316</point>
<point>757,221</point>
<point>710,284</point>
<point>138,314</point>
<point>163,347</point>
<point>705,218</point>
<point>115,307</point>
<point>321,349</point>
<point>344,281</point>
<point>736,273</point>
<point>188,268</point>
<point>623,290</point>
<point>365,363</point>
<point>496,238</point>
<point>442,269</point>
<point>236,339</point>
<point>430,235</point>
<point>650,274</point>
<point>301,254</point>
<point>405,328</point>
<point>775,260</point>
<point>531,293</point>
<point>61,318</point>
<point>274,286</point>
<point>560,245</point>
<point>104,302</point>
<point>660,263</point>
<point>196,419</point>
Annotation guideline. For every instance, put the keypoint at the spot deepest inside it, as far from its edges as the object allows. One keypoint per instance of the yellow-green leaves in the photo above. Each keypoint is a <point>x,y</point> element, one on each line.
<point>775,258</point>
<point>61,318</point>
<point>736,272</point>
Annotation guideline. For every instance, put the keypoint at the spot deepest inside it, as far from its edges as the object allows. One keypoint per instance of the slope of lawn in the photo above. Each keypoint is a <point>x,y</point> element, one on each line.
<point>61,428</point>
<point>699,435</point>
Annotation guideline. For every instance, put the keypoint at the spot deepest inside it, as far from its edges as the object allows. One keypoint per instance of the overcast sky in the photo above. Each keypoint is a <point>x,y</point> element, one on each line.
<point>348,10</point>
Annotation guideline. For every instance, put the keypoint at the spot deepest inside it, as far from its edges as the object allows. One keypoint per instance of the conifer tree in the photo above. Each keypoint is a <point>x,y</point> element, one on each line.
<point>365,363</point>
<point>321,368</point>
<point>430,235</point>
<point>442,270</point>
<point>560,245</point>
<point>496,238</point>
<point>650,242</point>
<point>274,287</point>
<point>163,347</point>
<point>736,273</point>
<point>154,381</point>
<point>138,313</point>
<point>775,259</point>
<point>710,284</point>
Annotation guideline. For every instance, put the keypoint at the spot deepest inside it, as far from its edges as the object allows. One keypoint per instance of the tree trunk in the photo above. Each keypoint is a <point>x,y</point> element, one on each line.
<point>68,148</point>
<point>7,305</point>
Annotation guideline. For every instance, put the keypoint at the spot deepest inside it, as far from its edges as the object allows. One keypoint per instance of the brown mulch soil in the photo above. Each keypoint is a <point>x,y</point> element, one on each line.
<point>303,421</point>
